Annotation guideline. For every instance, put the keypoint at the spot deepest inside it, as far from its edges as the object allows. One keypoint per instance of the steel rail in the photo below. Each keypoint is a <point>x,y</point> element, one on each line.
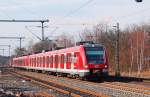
<point>85,91</point>
<point>45,84</point>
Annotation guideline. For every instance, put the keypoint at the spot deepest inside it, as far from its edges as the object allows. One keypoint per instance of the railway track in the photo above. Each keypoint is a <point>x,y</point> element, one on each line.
<point>120,86</point>
<point>60,87</point>
<point>117,88</point>
<point>40,94</point>
<point>117,85</point>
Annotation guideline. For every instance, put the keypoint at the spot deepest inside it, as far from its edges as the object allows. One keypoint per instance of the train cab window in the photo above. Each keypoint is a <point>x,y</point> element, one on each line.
<point>94,55</point>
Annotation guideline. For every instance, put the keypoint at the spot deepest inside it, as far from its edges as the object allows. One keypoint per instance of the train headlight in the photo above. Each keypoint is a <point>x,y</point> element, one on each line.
<point>106,66</point>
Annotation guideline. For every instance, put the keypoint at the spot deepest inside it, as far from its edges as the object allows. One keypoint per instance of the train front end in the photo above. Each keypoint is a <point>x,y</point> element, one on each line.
<point>97,60</point>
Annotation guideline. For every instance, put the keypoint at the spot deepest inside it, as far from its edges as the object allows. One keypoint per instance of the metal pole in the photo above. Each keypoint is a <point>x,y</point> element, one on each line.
<point>20,42</point>
<point>42,30</point>
<point>117,71</point>
<point>9,50</point>
<point>2,51</point>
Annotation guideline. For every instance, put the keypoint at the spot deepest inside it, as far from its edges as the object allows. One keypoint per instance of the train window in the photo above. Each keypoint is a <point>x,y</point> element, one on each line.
<point>69,57</point>
<point>31,62</point>
<point>35,62</point>
<point>65,58</point>
<point>40,61</point>
<point>47,60</point>
<point>44,60</point>
<point>56,59</point>
<point>51,59</point>
<point>62,59</point>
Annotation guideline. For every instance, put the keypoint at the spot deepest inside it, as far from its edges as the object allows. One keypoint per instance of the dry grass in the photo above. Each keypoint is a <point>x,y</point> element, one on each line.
<point>144,74</point>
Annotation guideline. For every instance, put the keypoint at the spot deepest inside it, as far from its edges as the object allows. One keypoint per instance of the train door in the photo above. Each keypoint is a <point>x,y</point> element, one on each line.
<point>75,60</point>
<point>79,61</point>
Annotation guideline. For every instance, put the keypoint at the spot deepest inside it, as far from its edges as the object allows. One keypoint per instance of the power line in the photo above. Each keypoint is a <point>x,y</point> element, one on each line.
<point>130,14</point>
<point>73,11</point>
<point>33,33</point>
<point>5,13</point>
<point>26,9</point>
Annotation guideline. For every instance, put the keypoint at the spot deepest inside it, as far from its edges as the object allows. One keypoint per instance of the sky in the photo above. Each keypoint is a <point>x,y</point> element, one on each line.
<point>65,16</point>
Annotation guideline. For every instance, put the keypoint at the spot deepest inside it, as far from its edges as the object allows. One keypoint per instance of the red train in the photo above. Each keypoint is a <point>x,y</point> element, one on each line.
<point>79,61</point>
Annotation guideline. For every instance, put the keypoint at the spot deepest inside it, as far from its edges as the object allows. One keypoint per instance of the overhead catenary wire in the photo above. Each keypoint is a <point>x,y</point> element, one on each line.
<point>33,33</point>
<point>72,12</point>
<point>26,9</point>
<point>113,19</point>
<point>129,15</point>
<point>3,12</point>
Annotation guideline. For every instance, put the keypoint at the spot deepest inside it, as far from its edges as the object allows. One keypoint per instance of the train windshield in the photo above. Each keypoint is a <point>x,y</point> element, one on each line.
<point>94,55</point>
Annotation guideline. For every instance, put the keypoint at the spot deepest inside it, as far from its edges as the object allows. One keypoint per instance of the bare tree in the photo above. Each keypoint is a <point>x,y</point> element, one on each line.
<point>20,52</point>
<point>43,45</point>
<point>65,40</point>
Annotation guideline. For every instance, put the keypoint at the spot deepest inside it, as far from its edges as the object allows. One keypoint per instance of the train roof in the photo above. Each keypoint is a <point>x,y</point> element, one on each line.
<point>70,49</point>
